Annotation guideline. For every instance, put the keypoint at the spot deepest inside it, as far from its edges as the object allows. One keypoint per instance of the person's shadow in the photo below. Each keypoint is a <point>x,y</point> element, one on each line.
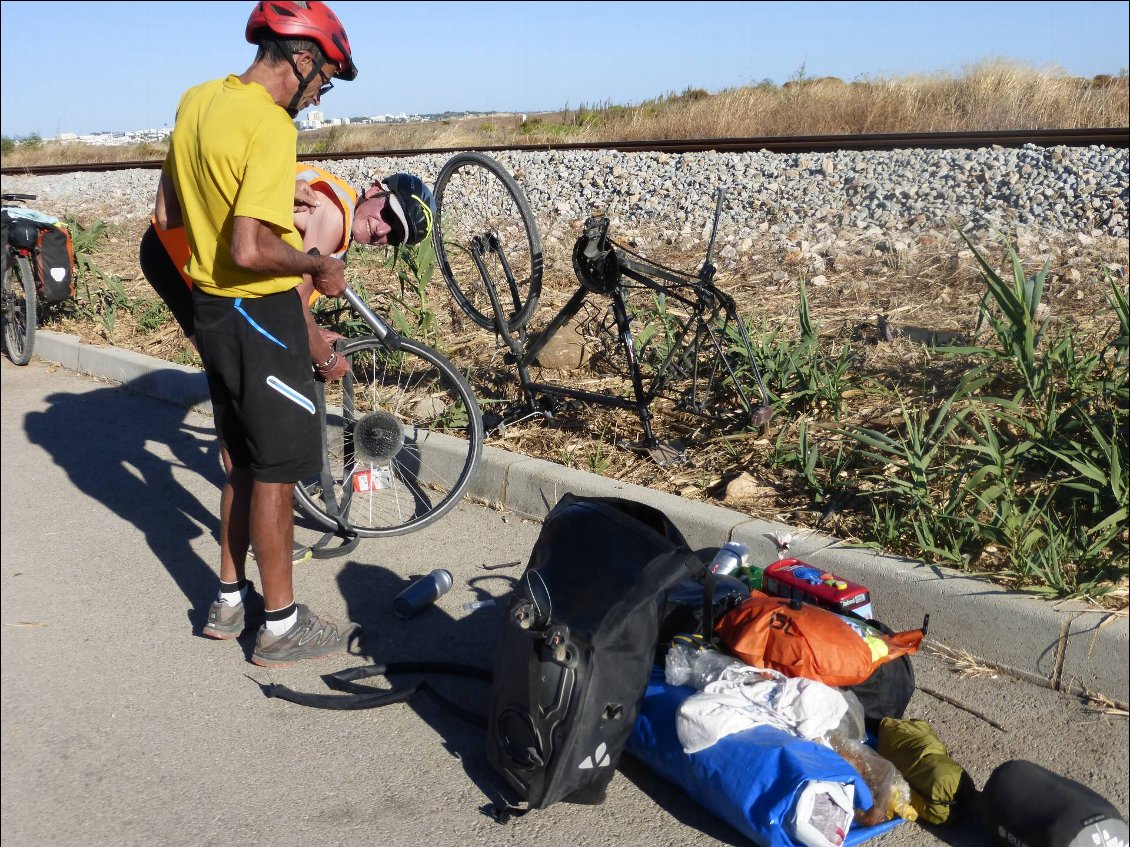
<point>101,437</point>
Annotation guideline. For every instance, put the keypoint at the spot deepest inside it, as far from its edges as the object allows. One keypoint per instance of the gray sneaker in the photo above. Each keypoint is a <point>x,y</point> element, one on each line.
<point>226,621</point>
<point>311,637</point>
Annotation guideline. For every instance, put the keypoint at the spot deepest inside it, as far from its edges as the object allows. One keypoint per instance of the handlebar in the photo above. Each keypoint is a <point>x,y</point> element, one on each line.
<point>17,196</point>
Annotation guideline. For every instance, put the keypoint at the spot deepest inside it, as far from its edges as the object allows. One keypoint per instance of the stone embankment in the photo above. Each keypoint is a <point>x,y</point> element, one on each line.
<point>816,207</point>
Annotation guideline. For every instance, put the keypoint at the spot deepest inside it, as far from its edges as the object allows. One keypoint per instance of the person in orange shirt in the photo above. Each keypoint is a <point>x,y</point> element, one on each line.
<point>329,214</point>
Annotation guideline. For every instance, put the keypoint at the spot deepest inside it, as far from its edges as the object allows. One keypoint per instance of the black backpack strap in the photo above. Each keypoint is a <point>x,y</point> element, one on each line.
<point>698,564</point>
<point>363,697</point>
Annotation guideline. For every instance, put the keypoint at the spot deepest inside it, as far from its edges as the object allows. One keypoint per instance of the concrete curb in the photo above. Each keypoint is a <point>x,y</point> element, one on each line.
<point>1069,645</point>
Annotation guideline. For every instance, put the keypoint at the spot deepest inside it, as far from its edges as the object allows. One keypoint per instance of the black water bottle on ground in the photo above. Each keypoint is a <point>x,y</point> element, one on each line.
<point>423,592</point>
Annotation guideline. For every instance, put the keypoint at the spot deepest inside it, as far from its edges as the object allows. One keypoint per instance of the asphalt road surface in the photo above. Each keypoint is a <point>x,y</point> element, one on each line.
<point>122,726</point>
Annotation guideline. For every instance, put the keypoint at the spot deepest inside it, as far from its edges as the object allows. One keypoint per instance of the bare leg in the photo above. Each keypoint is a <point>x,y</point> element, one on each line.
<point>235,510</point>
<point>272,536</point>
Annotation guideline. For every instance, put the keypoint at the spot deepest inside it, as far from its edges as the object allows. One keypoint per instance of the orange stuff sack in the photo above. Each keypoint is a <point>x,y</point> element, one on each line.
<point>799,639</point>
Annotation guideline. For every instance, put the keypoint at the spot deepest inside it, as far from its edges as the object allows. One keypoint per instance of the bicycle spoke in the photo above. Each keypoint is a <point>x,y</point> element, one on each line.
<point>402,452</point>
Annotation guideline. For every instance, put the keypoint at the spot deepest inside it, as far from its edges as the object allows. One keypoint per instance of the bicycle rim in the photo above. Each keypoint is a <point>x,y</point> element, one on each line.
<point>477,199</point>
<point>19,309</point>
<point>417,418</point>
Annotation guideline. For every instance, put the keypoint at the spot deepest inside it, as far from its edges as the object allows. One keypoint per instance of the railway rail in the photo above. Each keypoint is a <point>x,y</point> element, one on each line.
<point>1113,137</point>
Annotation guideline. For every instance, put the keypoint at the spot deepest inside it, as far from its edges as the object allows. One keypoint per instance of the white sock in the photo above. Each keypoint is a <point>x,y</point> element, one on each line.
<point>280,627</point>
<point>233,598</point>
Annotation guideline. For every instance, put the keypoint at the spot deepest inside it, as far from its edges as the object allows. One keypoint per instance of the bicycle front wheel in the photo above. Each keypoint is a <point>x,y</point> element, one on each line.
<point>19,308</point>
<point>404,436</point>
<point>478,204</point>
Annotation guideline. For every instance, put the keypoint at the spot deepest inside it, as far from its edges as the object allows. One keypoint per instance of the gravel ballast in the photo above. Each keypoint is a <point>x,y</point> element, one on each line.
<point>814,203</point>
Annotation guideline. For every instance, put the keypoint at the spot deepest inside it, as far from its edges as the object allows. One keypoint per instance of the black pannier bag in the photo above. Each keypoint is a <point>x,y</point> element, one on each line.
<point>55,264</point>
<point>20,232</point>
<point>577,646</point>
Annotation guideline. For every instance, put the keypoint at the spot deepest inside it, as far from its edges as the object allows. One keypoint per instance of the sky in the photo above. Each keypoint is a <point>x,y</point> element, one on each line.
<point>87,67</point>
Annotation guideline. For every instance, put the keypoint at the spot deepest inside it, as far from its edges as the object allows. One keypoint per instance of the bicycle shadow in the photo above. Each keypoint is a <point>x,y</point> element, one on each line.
<point>100,439</point>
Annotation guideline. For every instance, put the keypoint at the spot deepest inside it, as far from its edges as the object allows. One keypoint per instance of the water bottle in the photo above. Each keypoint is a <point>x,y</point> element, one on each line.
<point>423,592</point>
<point>729,558</point>
<point>752,576</point>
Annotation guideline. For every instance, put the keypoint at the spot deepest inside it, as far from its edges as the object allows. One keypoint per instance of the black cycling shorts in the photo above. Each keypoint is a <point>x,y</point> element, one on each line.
<point>166,279</point>
<point>256,353</point>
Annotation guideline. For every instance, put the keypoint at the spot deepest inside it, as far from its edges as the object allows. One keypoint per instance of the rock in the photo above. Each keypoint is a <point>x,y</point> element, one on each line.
<point>566,350</point>
<point>746,487</point>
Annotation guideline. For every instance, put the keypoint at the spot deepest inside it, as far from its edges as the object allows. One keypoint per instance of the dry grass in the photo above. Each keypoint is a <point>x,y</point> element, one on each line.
<point>1103,705</point>
<point>994,95</point>
<point>964,664</point>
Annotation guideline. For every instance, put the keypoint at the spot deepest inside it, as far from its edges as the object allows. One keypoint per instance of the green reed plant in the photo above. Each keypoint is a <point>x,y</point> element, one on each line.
<point>910,463</point>
<point>823,475</point>
<point>406,307</point>
<point>1032,483</point>
<point>1017,321</point>
<point>659,330</point>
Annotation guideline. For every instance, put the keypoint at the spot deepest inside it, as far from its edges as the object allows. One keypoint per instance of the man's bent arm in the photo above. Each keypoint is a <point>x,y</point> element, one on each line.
<point>257,248</point>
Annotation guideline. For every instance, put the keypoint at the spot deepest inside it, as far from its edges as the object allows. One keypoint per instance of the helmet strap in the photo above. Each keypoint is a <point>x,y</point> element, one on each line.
<point>303,81</point>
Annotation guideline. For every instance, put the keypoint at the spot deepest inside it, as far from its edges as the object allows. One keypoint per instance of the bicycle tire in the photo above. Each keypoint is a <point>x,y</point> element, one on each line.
<point>19,314</point>
<point>475,195</point>
<point>425,467</point>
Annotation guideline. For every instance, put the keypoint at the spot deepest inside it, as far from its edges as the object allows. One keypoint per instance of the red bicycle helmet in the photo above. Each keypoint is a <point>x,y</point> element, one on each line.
<point>312,21</point>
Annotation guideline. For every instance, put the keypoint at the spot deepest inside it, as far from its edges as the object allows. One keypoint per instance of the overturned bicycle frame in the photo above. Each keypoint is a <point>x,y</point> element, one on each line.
<point>601,267</point>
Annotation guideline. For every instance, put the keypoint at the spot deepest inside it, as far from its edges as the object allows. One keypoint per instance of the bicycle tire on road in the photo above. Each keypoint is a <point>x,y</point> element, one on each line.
<point>503,206</point>
<point>441,429</point>
<point>19,313</point>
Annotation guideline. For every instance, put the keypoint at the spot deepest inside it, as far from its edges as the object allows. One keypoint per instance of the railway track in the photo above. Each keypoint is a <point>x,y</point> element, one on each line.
<point>1115,137</point>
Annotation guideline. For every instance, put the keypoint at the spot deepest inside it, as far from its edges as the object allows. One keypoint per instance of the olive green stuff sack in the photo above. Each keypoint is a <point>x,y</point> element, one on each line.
<point>937,783</point>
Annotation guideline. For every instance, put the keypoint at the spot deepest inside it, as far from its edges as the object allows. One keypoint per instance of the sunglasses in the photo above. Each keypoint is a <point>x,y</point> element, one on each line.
<point>397,234</point>
<point>327,85</point>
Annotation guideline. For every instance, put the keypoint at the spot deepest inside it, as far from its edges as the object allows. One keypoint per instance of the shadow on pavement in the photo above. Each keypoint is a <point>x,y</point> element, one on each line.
<point>100,439</point>
<point>433,635</point>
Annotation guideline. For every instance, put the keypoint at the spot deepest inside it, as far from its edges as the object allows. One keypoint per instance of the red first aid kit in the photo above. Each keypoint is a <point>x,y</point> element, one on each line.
<point>796,580</point>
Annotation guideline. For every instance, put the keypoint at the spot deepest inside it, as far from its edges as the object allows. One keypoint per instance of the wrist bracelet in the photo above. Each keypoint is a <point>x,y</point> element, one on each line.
<point>328,363</point>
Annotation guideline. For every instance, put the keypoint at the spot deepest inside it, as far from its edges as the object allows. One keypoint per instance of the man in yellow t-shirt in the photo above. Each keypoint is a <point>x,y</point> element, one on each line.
<point>229,177</point>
